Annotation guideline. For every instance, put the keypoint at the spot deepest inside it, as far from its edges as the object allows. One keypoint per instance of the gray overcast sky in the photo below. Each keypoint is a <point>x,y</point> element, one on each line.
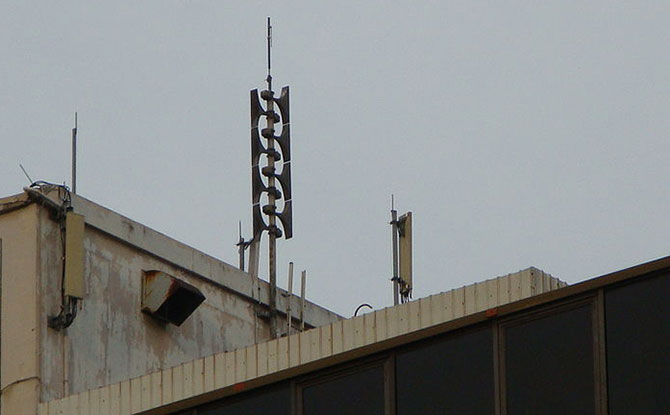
<point>519,133</point>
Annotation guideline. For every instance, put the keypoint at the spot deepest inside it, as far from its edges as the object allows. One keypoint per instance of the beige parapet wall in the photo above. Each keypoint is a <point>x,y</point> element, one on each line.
<point>225,369</point>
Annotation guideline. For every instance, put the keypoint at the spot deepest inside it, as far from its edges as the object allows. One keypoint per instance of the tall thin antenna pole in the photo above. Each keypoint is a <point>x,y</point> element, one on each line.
<point>269,78</point>
<point>394,240</point>
<point>74,155</point>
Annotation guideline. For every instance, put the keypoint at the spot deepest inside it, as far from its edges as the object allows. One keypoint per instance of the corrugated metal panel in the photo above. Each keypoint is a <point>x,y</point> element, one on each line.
<point>225,369</point>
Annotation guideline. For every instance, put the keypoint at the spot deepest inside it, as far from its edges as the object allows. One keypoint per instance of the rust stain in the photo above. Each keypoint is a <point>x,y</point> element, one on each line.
<point>150,275</point>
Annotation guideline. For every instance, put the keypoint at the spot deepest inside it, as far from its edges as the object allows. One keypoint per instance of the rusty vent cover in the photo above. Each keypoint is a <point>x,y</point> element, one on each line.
<point>168,298</point>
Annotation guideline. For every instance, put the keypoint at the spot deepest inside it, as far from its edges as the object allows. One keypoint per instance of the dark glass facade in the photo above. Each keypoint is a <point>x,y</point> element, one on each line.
<point>275,400</point>
<point>450,375</point>
<point>602,351</point>
<point>358,392</point>
<point>638,345</point>
<point>549,364</point>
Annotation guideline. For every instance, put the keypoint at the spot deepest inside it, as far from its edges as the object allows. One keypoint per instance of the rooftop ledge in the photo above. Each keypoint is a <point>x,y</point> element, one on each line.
<point>220,375</point>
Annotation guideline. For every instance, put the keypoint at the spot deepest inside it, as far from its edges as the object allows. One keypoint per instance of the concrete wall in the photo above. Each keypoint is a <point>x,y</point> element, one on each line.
<point>187,258</point>
<point>19,312</point>
<point>110,340</point>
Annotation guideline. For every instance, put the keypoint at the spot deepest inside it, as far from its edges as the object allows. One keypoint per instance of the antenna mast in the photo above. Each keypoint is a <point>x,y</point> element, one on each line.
<point>269,78</point>
<point>74,155</point>
<point>274,149</point>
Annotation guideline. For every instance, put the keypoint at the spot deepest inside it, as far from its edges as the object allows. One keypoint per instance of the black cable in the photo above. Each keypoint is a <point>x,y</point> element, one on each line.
<point>361,306</point>
<point>68,309</point>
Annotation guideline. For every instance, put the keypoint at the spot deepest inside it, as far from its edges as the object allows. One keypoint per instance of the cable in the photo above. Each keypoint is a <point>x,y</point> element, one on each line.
<point>361,306</point>
<point>68,309</point>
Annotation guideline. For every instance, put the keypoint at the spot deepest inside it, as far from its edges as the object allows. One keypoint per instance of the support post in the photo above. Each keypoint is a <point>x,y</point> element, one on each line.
<point>288,299</point>
<point>394,240</point>
<point>272,248</point>
<point>302,300</point>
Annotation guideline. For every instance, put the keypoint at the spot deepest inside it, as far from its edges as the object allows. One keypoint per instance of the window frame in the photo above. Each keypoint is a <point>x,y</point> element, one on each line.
<point>602,296</point>
<point>545,310</point>
<point>384,361</point>
<point>250,394</point>
<point>463,331</point>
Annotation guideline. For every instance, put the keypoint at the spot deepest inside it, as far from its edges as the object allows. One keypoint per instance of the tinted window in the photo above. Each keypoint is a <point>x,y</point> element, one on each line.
<point>275,400</point>
<point>638,345</point>
<point>451,376</point>
<point>353,394</point>
<point>549,365</point>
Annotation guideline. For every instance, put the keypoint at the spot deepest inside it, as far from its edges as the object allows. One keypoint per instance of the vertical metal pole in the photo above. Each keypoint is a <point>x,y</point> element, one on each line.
<point>269,47</point>
<point>241,250</point>
<point>302,300</point>
<point>242,246</point>
<point>272,248</point>
<point>394,239</point>
<point>288,300</point>
<point>254,258</point>
<point>74,155</point>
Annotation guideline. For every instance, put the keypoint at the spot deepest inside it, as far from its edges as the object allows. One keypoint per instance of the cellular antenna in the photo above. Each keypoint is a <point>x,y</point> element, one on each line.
<point>401,245</point>
<point>267,184</point>
<point>74,155</point>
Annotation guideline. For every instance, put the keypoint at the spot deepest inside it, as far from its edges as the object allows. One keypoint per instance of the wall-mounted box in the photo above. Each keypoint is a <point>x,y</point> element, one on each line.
<point>74,255</point>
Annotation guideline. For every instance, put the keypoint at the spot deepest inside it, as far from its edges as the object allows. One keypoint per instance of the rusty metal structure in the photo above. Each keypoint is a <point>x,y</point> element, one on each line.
<point>270,186</point>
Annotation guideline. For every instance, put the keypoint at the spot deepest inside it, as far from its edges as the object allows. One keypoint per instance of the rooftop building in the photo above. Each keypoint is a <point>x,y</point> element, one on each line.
<point>520,343</point>
<point>107,337</point>
<point>597,347</point>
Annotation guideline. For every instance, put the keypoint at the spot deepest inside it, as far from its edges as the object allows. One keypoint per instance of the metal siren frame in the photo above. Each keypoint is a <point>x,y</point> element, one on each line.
<point>277,149</point>
<point>274,156</point>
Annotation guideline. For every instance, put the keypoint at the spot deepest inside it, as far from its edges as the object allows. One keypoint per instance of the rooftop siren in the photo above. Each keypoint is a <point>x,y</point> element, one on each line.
<point>267,183</point>
<point>401,238</point>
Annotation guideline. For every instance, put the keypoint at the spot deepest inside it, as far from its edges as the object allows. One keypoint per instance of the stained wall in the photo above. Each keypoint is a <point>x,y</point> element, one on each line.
<point>111,340</point>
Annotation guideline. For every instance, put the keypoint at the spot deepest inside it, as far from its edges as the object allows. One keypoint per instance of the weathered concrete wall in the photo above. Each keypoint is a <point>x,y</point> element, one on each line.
<point>185,257</point>
<point>111,340</point>
<point>19,344</point>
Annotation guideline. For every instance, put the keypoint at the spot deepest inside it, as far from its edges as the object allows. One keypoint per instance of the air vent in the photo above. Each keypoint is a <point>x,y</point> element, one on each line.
<point>168,298</point>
